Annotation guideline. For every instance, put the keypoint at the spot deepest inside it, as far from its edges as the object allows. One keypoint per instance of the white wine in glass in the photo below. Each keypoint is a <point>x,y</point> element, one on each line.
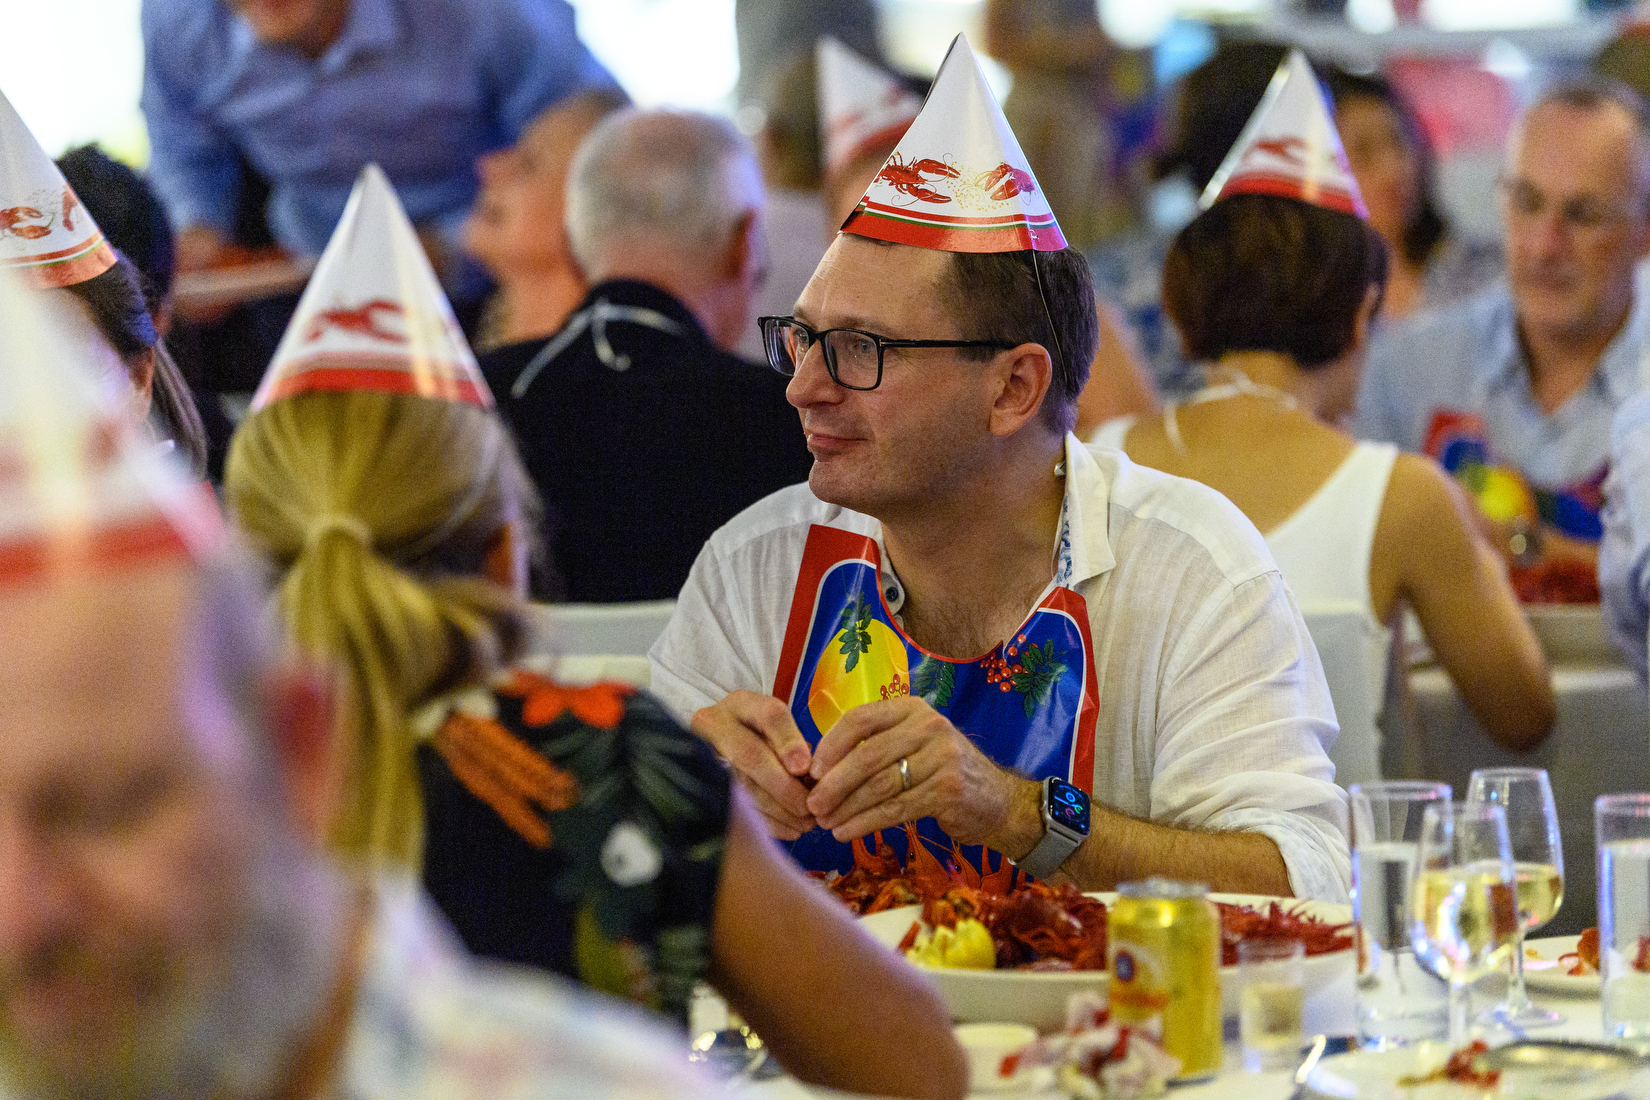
<point>1532,830</point>
<point>1464,907</point>
<point>1540,893</point>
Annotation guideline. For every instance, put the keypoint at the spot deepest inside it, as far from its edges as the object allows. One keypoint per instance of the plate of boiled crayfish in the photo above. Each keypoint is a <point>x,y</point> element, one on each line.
<point>1004,949</point>
<point>1569,964</point>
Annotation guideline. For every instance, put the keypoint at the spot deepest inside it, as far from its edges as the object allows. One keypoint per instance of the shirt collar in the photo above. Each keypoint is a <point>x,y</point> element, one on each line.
<point>1082,544</point>
<point>371,25</point>
<point>1619,366</point>
<point>1627,359</point>
<point>633,292</point>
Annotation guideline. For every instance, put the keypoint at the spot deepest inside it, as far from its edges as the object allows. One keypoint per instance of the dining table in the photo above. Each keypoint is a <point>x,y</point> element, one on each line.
<point>1329,1010</point>
<point>1599,744</point>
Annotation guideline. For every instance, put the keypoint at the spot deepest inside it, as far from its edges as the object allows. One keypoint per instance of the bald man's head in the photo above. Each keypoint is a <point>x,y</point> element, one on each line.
<point>676,180</point>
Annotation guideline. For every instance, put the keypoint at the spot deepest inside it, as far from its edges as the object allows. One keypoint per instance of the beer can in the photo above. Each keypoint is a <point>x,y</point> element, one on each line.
<point>1163,947</point>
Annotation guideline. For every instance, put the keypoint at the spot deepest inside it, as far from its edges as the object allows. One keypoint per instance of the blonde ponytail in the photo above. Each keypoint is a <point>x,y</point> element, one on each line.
<point>379,510</point>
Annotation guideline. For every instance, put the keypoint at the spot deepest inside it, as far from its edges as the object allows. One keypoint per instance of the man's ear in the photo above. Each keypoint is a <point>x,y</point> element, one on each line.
<point>1365,319</point>
<point>1023,376</point>
<point>301,699</point>
<point>746,256</point>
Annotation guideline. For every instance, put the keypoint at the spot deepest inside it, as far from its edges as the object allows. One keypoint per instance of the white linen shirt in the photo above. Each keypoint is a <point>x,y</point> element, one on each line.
<point>1213,711</point>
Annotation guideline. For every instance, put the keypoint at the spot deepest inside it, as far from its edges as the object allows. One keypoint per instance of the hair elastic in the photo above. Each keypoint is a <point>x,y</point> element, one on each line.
<point>327,522</point>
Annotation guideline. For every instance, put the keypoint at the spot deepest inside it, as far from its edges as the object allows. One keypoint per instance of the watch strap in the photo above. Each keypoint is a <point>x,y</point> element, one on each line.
<point>1045,859</point>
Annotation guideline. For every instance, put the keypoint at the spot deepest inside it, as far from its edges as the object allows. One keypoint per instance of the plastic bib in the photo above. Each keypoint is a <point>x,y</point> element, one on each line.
<point>1029,704</point>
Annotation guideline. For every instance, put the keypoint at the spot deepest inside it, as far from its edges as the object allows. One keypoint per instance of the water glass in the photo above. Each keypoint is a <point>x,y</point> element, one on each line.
<point>1621,823</point>
<point>1399,1002</point>
<point>1271,998</point>
<point>1464,903</point>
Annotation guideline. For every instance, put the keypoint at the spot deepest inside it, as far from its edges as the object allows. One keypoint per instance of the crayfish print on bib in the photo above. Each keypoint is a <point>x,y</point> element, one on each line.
<point>1029,704</point>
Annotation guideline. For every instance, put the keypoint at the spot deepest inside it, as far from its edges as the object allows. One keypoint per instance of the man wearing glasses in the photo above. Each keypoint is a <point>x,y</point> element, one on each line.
<point>969,621</point>
<point>1527,375</point>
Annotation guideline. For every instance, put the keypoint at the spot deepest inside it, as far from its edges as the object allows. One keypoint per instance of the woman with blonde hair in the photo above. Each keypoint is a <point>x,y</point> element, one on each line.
<point>578,829</point>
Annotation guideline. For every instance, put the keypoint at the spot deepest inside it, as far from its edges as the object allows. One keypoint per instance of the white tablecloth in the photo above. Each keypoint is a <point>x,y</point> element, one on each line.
<point>1329,1011</point>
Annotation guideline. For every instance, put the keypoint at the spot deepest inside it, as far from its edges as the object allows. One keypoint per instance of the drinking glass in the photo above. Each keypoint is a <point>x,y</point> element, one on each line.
<point>1464,904</point>
<point>1272,993</point>
<point>1538,861</point>
<point>1622,824</point>
<point>1399,1002</point>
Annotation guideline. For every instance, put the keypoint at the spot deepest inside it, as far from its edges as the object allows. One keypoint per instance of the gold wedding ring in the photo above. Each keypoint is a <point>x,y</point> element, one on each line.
<point>904,774</point>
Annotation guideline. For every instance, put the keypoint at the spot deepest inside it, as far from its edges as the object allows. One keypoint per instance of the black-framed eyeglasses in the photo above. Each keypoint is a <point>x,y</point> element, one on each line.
<point>852,356</point>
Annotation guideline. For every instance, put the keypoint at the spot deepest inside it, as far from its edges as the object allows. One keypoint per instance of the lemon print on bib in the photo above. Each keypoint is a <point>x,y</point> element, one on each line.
<point>864,662</point>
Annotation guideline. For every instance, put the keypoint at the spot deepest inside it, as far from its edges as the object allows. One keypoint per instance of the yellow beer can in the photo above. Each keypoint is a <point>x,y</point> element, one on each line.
<point>1163,948</point>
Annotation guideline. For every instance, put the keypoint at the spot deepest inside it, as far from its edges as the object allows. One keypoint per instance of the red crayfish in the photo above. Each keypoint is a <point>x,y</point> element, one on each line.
<point>361,320</point>
<point>1014,181</point>
<point>11,221</point>
<point>1585,955</point>
<point>913,178</point>
<point>70,201</point>
<point>1292,149</point>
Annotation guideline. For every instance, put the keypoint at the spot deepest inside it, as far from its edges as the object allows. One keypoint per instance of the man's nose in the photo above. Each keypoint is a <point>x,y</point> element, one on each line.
<point>1546,233</point>
<point>812,383</point>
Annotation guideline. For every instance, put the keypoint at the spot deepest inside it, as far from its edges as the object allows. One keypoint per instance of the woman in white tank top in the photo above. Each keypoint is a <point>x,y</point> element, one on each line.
<point>1276,296</point>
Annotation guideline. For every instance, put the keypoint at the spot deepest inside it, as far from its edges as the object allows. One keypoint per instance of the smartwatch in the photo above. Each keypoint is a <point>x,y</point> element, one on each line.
<point>1065,813</point>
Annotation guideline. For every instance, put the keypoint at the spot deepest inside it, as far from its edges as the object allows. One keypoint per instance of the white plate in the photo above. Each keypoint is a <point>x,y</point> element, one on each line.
<point>1543,971</point>
<point>1039,999</point>
<point>1374,1075</point>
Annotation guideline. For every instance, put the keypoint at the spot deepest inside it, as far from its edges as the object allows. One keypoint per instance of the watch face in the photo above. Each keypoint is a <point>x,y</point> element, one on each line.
<point>1068,806</point>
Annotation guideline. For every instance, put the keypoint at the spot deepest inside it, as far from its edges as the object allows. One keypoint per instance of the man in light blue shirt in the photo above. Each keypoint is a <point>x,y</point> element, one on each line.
<point>1624,555</point>
<point>1527,375</point>
<point>311,90</point>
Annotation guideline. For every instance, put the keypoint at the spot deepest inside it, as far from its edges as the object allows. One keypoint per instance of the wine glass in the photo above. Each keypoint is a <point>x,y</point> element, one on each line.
<point>1464,906</point>
<point>1538,861</point>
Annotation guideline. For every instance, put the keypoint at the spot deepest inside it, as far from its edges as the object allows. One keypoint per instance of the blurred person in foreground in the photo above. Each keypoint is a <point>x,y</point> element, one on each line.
<point>168,924</point>
<point>641,428</point>
<point>517,229</point>
<point>50,237</point>
<point>421,87</point>
<point>1391,159</point>
<point>577,829</point>
<point>1275,287</point>
<point>1513,391</point>
<point>919,633</point>
<point>1208,108</point>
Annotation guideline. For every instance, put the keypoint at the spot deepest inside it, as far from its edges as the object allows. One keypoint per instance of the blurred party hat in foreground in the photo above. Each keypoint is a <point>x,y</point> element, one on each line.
<point>1290,148</point>
<point>80,490</point>
<point>861,106</point>
<point>958,181</point>
<point>46,236</point>
<point>373,316</point>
